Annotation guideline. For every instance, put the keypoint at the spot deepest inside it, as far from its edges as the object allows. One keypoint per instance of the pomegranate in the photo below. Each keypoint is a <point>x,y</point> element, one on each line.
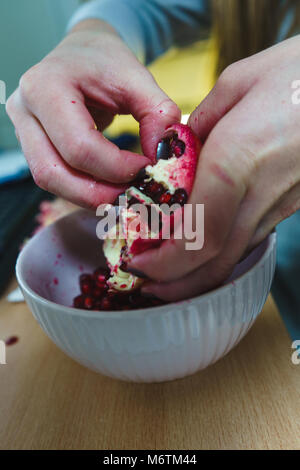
<point>169,181</point>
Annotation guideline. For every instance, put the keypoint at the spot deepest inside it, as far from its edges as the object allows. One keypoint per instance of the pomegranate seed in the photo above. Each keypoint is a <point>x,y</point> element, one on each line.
<point>98,291</point>
<point>106,303</point>
<point>101,298</point>
<point>86,288</point>
<point>97,304</point>
<point>88,302</point>
<point>165,198</point>
<point>112,294</point>
<point>103,271</point>
<point>136,300</point>
<point>147,188</point>
<point>122,302</point>
<point>156,302</point>
<point>124,307</point>
<point>85,278</point>
<point>86,283</point>
<point>100,282</point>
<point>112,297</point>
<point>141,186</point>
<point>78,302</point>
<point>180,197</point>
<point>133,299</point>
<point>155,188</point>
<point>100,277</point>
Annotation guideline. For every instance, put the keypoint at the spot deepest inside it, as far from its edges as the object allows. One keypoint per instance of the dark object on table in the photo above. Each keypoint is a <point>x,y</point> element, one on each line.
<point>19,204</point>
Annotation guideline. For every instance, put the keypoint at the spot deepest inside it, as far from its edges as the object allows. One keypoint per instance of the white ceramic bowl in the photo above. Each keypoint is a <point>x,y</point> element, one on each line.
<point>147,345</point>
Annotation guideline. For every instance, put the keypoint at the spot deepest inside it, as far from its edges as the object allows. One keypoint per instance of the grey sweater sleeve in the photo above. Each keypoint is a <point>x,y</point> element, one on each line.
<point>150,27</point>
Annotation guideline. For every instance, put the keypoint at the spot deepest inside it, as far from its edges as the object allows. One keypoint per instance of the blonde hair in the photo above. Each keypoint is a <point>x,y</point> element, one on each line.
<point>245,27</point>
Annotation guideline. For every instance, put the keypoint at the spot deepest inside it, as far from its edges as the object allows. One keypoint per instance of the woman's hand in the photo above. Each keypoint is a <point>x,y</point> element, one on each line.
<point>89,78</point>
<point>248,173</point>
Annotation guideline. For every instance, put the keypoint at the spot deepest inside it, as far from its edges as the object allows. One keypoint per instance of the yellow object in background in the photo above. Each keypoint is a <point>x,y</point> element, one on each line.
<point>186,75</point>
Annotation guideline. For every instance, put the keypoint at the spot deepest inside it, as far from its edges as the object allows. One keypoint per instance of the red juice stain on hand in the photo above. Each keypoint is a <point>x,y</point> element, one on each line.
<point>73,102</point>
<point>11,340</point>
<point>222,175</point>
<point>55,281</point>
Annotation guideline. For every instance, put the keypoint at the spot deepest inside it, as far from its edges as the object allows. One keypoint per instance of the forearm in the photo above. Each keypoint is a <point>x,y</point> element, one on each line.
<point>150,27</point>
<point>93,24</point>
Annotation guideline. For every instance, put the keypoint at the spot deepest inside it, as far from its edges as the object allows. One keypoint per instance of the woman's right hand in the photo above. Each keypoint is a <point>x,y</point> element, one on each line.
<point>87,79</point>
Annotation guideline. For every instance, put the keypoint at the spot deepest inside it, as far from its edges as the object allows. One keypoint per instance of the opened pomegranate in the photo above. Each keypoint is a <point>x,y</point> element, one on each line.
<point>168,182</point>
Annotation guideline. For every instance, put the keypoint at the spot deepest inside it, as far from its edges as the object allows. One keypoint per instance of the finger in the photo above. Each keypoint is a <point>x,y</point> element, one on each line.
<point>284,208</point>
<point>242,240</point>
<point>202,280</point>
<point>230,88</point>
<point>213,273</point>
<point>71,129</point>
<point>51,172</point>
<point>152,108</point>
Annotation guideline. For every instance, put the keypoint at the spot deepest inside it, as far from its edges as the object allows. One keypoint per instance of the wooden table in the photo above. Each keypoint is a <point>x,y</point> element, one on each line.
<point>248,400</point>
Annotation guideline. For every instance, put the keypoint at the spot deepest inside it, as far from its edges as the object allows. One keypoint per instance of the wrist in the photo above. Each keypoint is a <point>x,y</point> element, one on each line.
<point>94,25</point>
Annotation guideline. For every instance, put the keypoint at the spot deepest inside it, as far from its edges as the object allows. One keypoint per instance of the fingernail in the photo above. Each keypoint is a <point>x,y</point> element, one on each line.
<point>141,174</point>
<point>137,273</point>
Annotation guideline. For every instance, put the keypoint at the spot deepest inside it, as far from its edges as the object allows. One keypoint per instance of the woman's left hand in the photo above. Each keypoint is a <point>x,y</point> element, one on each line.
<point>248,175</point>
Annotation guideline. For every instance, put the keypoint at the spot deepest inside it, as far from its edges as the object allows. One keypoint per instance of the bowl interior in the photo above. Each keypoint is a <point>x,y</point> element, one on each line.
<point>53,259</point>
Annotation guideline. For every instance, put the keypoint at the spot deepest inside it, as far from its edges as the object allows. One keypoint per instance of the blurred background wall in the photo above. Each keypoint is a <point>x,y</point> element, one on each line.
<point>29,29</point>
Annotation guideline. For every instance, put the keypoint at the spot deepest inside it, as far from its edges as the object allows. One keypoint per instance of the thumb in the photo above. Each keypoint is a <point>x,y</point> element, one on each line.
<point>230,88</point>
<point>154,111</point>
